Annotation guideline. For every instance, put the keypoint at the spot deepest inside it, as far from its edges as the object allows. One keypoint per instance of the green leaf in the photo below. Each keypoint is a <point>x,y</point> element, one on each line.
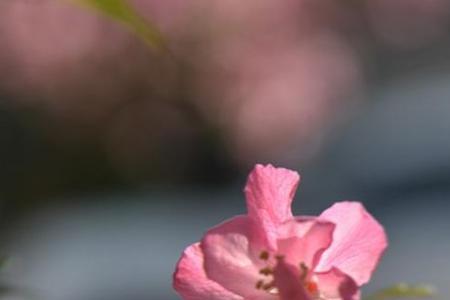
<point>403,290</point>
<point>122,12</point>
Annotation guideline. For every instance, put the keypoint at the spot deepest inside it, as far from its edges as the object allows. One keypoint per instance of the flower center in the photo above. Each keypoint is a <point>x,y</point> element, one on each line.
<point>268,283</point>
<point>308,282</point>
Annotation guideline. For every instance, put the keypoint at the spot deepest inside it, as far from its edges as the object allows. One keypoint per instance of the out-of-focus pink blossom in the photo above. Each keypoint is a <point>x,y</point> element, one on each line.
<point>269,74</point>
<point>273,76</point>
<point>46,37</point>
<point>62,53</point>
<point>76,65</point>
<point>270,254</point>
<point>288,94</point>
<point>278,74</point>
<point>168,15</point>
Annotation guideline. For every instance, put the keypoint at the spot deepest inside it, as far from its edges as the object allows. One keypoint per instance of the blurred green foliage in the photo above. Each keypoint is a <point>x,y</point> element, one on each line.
<point>403,290</point>
<point>124,13</point>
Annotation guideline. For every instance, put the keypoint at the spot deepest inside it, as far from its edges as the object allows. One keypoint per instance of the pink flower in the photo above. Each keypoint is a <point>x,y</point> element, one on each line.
<point>270,254</point>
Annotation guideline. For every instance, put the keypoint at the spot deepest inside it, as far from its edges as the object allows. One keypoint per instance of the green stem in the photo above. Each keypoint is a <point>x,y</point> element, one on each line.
<point>121,11</point>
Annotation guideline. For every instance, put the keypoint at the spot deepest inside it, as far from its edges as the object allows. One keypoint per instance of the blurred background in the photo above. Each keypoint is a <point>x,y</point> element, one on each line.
<point>116,154</point>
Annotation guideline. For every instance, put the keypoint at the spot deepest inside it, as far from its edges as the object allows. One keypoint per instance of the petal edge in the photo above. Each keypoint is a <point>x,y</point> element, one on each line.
<point>358,241</point>
<point>269,193</point>
<point>191,282</point>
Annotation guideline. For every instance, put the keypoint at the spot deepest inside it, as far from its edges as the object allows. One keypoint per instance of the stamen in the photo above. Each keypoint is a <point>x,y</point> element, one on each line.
<point>266,271</point>
<point>304,271</point>
<point>259,284</point>
<point>307,282</point>
<point>264,255</point>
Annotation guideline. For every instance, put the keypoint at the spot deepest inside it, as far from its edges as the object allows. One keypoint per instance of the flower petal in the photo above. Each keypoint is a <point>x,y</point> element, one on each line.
<point>336,285</point>
<point>287,281</point>
<point>358,241</point>
<point>191,282</point>
<point>304,240</point>
<point>230,257</point>
<point>269,192</point>
<point>271,189</point>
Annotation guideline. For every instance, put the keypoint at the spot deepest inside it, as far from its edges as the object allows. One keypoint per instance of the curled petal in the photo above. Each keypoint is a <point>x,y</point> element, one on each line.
<point>230,259</point>
<point>336,285</point>
<point>271,189</point>
<point>287,281</point>
<point>191,282</point>
<point>269,192</point>
<point>358,241</point>
<point>304,240</point>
